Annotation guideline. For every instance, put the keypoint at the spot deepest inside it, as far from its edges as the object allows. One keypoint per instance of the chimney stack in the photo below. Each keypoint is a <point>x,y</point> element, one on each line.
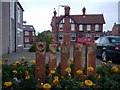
<point>84,10</point>
<point>67,10</point>
<point>55,12</point>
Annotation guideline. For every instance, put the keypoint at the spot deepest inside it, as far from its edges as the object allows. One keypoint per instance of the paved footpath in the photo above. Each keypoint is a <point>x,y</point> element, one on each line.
<point>16,56</point>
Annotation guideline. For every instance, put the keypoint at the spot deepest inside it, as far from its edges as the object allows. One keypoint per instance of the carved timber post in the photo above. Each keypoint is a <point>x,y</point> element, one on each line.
<point>40,62</point>
<point>77,58</point>
<point>91,57</point>
<point>65,52</point>
<point>52,56</point>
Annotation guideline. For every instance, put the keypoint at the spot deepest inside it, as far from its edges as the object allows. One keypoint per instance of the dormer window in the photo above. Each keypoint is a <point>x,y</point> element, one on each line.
<point>62,21</point>
<point>60,27</point>
<point>71,21</point>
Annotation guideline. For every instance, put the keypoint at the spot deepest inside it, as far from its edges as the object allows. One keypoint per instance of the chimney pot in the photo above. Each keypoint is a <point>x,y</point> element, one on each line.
<point>84,10</point>
<point>67,10</point>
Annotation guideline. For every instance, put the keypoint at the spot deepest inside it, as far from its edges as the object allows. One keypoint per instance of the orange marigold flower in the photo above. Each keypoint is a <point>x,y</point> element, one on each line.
<point>23,58</point>
<point>56,80</point>
<point>90,69</point>
<point>6,59</point>
<point>68,70</point>
<point>114,69</point>
<point>14,71</point>
<point>52,72</point>
<point>7,83</point>
<point>110,61</point>
<point>27,77</point>
<point>103,63</point>
<point>32,61</point>
<point>79,72</point>
<point>82,84</point>
<point>97,76</point>
<point>88,83</point>
<point>46,86</point>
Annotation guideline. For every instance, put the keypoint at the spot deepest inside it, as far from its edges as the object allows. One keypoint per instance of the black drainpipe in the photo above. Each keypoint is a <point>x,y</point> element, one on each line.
<point>15,24</point>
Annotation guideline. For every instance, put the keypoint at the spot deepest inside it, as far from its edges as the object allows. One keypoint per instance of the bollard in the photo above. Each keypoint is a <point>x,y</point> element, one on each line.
<point>52,56</point>
<point>40,62</point>
<point>91,57</point>
<point>77,58</point>
<point>65,52</point>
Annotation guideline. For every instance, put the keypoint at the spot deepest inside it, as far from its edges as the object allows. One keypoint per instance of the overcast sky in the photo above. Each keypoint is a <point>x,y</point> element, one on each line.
<point>39,12</point>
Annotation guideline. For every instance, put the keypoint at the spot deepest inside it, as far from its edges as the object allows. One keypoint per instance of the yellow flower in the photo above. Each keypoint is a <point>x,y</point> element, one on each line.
<point>88,83</point>
<point>103,63</point>
<point>114,69</point>
<point>6,59</point>
<point>14,71</point>
<point>27,77</point>
<point>71,60</point>
<point>110,61</point>
<point>90,69</point>
<point>84,77</point>
<point>82,84</point>
<point>68,70</point>
<point>0,70</point>
<point>97,76</point>
<point>7,83</point>
<point>56,80</point>
<point>23,58</point>
<point>52,72</point>
<point>79,72</point>
<point>17,62</point>
<point>46,86</point>
<point>1,62</point>
<point>32,61</point>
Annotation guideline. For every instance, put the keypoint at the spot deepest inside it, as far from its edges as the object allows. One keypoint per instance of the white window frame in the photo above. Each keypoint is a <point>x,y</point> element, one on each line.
<point>71,21</point>
<point>26,33</point>
<point>18,14</point>
<point>59,38</point>
<point>72,27</point>
<point>19,37</point>
<point>80,27</point>
<point>60,27</point>
<point>12,8</point>
<point>33,33</point>
<point>88,27</point>
<point>71,36</point>
<point>96,27</point>
<point>62,21</point>
<point>27,39</point>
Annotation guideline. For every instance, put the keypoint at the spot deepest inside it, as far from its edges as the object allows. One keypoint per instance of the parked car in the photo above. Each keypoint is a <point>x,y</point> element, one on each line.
<point>108,47</point>
<point>85,40</point>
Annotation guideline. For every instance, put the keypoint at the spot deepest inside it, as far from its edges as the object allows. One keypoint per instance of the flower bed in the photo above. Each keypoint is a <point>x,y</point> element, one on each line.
<point>21,76</point>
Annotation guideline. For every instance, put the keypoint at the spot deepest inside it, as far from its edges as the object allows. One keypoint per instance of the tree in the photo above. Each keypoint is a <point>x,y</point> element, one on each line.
<point>45,36</point>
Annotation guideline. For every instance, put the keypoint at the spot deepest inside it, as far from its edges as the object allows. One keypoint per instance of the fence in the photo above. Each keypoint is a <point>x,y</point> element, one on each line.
<point>90,58</point>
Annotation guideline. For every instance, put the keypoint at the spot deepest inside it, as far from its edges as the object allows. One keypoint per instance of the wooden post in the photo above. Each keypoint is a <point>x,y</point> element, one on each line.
<point>52,56</point>
<point>91,57</point>
<point>40,62</point>
<point>77,58</point>
<point>65,52</point>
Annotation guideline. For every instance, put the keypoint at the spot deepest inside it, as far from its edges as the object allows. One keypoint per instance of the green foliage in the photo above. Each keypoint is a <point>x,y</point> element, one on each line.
<point>109,78</point>
<point>45,36</point>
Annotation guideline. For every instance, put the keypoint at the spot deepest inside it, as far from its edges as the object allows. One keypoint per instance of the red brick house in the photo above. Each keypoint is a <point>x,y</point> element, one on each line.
<point>28,35</point>
<point>116,29</point>
<point>72,27</point>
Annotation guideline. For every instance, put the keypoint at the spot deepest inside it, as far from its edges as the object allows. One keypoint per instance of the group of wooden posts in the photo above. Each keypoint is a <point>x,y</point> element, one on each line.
<point>90,58</point>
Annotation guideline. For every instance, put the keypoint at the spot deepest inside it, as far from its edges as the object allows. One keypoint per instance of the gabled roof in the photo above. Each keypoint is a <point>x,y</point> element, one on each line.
<point>28,28</point>
<point>88,19</point>
<point>116,26</point>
